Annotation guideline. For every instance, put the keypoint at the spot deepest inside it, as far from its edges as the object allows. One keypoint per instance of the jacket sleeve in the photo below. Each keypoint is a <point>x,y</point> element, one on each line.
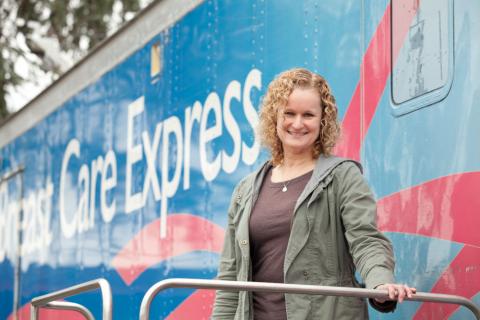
<point>226,302</point>
<point>371,251</point>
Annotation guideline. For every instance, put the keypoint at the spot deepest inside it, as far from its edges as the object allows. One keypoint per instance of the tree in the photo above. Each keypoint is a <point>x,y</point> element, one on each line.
<point>47,36</point>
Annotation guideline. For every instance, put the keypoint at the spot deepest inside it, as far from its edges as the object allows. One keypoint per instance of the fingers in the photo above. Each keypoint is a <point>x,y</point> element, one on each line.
<point>401,292</point>
<point>392,292</point>
<point>410,291</point>
<point>397,291</point>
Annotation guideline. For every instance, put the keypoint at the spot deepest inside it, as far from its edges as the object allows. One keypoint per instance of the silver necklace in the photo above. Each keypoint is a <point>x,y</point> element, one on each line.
<point>285,185</point>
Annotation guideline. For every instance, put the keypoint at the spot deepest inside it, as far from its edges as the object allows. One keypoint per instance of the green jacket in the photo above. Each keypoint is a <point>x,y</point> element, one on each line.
<point>333,234</point>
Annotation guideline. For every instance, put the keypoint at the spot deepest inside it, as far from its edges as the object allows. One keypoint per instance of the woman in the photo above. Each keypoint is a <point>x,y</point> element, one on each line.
<point>304,217</point>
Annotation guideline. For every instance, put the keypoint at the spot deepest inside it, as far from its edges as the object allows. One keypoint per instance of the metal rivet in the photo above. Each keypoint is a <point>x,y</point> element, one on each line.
<point>305,273</point>
<point>244,242</point>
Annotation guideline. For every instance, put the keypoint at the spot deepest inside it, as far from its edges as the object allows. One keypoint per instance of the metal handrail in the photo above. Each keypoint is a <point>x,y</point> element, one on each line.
<point>49,300</point>
<point>65,305</point>
<point>293,288</point>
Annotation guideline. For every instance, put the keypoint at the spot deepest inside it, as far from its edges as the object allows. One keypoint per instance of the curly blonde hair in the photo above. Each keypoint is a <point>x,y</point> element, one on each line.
<point>276,98</point>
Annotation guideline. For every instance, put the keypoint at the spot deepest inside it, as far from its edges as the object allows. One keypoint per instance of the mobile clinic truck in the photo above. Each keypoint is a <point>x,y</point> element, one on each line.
<point>123,168</point>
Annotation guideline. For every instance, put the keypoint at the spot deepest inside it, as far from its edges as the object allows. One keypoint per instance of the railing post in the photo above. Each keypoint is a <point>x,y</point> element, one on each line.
<point>65,305</point>
<point>50,300</point>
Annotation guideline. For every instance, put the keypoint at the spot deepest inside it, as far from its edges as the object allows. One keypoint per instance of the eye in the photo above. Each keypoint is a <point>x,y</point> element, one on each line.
<point>308,115</point>
<point>288,113</point>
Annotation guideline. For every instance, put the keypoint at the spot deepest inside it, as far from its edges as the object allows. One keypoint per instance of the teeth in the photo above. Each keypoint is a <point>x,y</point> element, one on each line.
<point>297,133</point>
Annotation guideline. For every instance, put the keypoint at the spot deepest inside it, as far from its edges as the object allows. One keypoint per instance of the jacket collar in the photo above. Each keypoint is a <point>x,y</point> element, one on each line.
<point>323,166</point>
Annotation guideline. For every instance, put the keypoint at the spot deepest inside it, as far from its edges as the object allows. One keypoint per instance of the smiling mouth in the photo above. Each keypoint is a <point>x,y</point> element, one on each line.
<point>296,134</point>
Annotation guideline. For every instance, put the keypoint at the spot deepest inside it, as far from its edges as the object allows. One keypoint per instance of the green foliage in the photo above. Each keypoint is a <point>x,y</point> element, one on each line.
<point>77,25</point>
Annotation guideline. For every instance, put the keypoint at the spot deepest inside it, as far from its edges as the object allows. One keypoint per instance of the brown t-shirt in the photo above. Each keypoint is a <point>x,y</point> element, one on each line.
<point>270,223</point>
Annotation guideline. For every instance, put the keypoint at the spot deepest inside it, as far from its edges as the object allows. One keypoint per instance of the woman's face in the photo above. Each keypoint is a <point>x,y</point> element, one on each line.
<point>298,124</point>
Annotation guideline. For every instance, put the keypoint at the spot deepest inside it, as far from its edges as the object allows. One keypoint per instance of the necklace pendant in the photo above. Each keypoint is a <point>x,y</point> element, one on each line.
<point>284,189</point>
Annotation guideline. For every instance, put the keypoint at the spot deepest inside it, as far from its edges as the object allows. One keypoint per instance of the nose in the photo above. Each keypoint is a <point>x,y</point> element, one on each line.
<point>297,122</point>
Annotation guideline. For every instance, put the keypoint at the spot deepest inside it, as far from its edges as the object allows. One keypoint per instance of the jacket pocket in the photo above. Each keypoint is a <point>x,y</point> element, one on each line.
<point>338,308</point>
<point>318,260</point>
<point>352,301</point>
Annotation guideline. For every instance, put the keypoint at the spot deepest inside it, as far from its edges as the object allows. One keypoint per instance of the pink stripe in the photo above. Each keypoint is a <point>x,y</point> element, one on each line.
<point>24,314</point>
<point>185,233</point>
<point>198,305</point>
<point>374,72</point>
<point>376,69</point>
<point>462,277</point>
<point>349,145</point>
<point>444,208</point>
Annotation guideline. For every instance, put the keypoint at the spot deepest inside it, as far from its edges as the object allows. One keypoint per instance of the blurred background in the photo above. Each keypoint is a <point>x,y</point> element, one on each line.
<point>41,39</point>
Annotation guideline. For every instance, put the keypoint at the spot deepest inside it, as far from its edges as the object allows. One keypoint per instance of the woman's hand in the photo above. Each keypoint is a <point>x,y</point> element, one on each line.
<point>396,291</point>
